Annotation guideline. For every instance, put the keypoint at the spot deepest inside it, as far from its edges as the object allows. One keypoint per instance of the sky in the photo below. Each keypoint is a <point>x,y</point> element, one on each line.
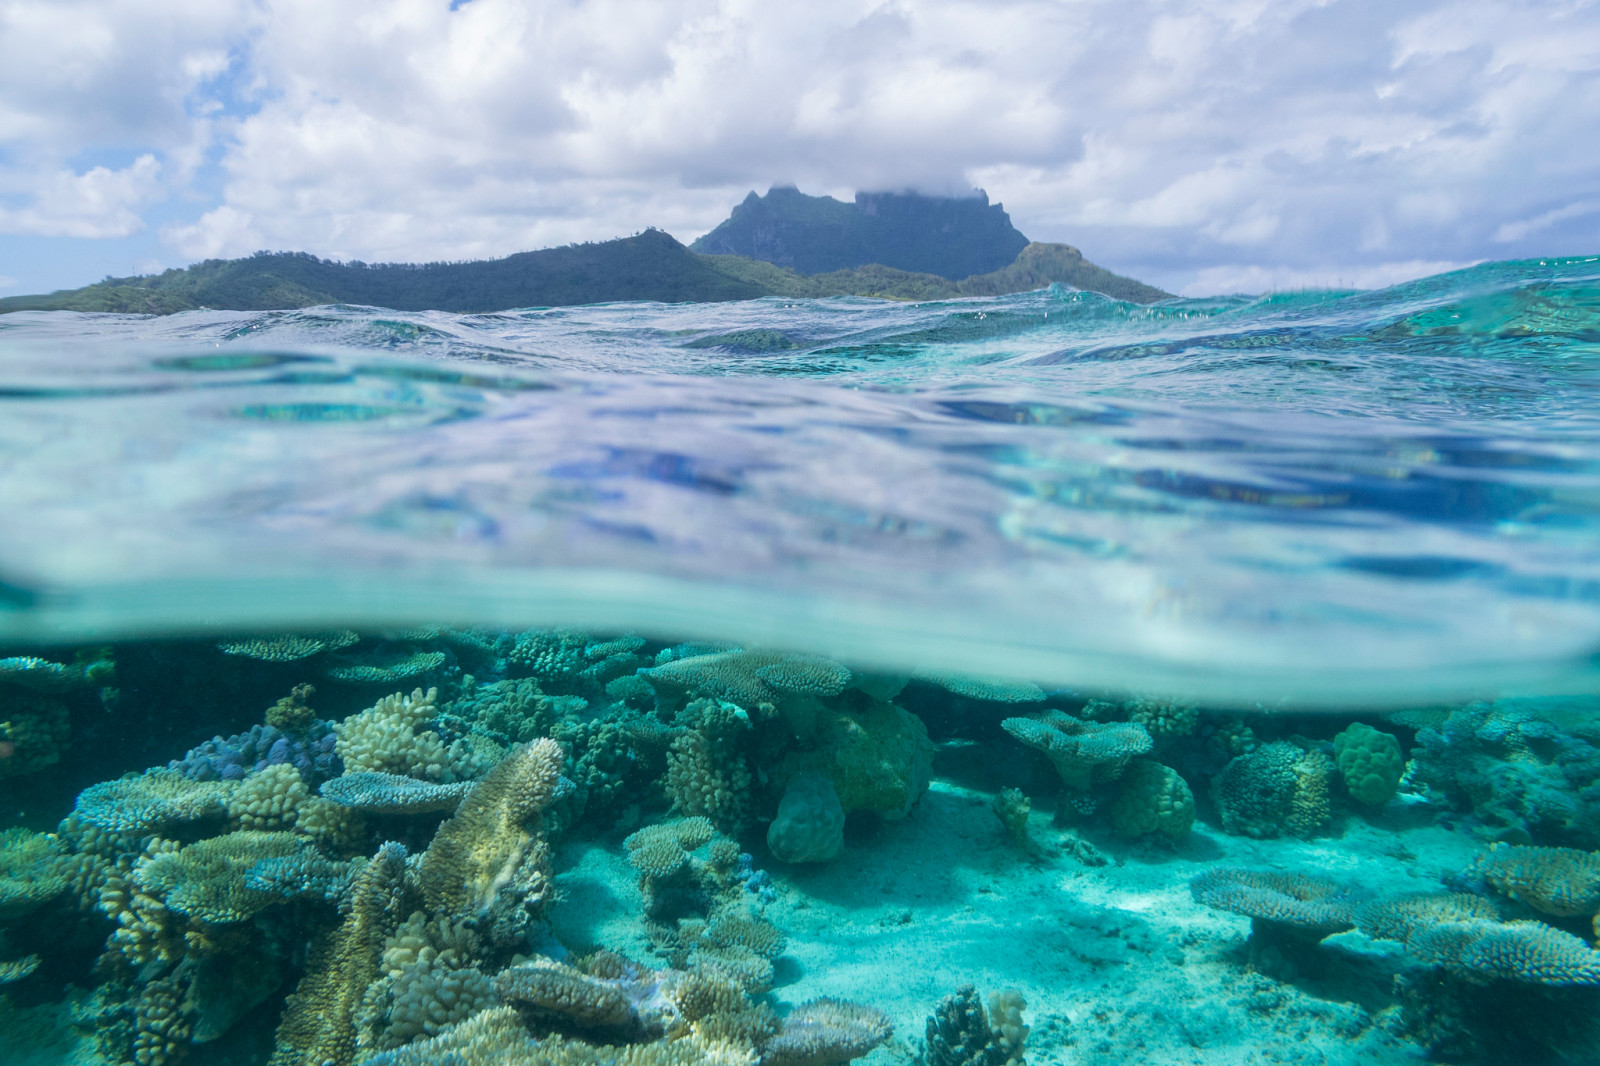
<point>1204,146</point>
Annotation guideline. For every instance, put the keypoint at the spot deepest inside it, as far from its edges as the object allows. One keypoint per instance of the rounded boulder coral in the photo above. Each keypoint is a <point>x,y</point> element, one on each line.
<point>1152,798</point>
<point>1369,761</point>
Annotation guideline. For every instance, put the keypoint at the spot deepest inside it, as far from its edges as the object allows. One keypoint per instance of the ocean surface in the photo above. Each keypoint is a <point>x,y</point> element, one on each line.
<point>1318,498</point>
<point>1031,681</point>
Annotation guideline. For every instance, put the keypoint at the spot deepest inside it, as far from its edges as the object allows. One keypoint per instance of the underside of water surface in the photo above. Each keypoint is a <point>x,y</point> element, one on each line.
<point>1037,679</point>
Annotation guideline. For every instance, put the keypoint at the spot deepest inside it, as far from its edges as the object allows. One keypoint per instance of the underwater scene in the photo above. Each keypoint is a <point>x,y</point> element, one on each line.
<point>1038,679</point>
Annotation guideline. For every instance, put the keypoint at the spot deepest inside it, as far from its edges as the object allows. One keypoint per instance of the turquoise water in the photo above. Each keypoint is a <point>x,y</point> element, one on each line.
<point>1138,666</point>
<point>1315,497</point>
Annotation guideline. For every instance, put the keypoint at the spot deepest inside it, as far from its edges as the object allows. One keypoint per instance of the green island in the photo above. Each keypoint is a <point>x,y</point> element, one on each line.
<point>887,246</point>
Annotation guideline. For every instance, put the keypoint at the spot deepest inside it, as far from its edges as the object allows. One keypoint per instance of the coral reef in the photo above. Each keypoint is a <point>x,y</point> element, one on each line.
<point>491,847</point>
<point>1515,776</point>
<point>380,793</point>
<point>152,801</point>
<point>959,1033</point>
<point>1152,798</point>
<point>1277,788</point>
<point>1083,753</point>
<point>824,1031</point>
<point>1370,763</point>
<point>1562,882</point>
<point>321,1024</point>
<point>288,647</point>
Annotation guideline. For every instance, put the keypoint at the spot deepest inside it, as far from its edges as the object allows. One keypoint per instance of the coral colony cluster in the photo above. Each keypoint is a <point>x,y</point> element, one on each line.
<point>375,885</point>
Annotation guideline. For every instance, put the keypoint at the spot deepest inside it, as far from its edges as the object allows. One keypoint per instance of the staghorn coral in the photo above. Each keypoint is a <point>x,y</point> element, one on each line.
<point>1370,763</point>
<point>270,799</point>
<point>320,1025</point>
<point>1400,917</point>
<point>484,847</point>
<point>990,689</point>
<point>1083,753</point>
<point>1152,798</point>
<point>1306,902</point>
<point>34,731</point>
<point>288,647</point>
<point>809,825</point>
<point>877,755</point>
<point>1276,788</point>
<point>1562,882</point>
<point>31,872</point>
<point>823,1031</point>
<point>206,879</point>
<point>149,802</point>
<point>379,793</point>
<point>1481,950</point>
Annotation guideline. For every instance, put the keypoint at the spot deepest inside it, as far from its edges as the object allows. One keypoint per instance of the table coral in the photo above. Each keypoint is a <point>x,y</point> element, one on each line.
<point>989,689</point>
<point>1481,950</point>
<point>555,989</point>
<point>1083,753</point>
<point>751,678</point>
<point>1399,917</point>
<point>1303,901</point>
<point>1370,763</point>
<point>288,647</point>
<point>206,880</point>
<point>151,801</point>
<point>31,872</point>
<point>824,1031</point>
<point>320,1026</point>
<point>1563,882</point>
<point>1152,798</point>
<point>481,848</point>
<point>380,793</point>
<point>387,670</point>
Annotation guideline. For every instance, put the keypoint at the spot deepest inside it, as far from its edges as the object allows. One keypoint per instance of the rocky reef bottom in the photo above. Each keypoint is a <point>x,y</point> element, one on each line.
<point>578,848</point>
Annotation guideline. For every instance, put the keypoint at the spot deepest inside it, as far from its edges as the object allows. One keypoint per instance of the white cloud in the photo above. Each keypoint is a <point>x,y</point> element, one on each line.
<point>1208,144</point>
<point>8,283</point>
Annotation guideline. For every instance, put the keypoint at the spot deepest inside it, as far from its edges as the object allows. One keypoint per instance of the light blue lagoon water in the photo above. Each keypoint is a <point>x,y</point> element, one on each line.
<point>1317,497</point>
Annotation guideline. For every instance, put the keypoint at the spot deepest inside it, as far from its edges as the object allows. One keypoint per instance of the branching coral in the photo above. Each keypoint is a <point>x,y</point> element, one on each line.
<point>658,851</point>
<point>1082,752</point>
<point>960,1034</point>
<point>31,872</point>
<point>270,799</point>
<point>1562,882</point>
<point>1302,901</point>
<point>34,731</point>
<point>492,842</point>
<point>701,784</point>
<point>1370,763</point>
<point>1277,788</point>
<point>553,656</point>
<point>320,1026</point>
<point>151,801</point>
<point>206,879</point>
<point>385,738</point>
<point>824,1031</point>
<point>1480,950</point>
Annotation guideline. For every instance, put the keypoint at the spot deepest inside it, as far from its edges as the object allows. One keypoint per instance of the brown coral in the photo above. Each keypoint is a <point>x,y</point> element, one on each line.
<point>319,1026</point>
<point>483,846</point>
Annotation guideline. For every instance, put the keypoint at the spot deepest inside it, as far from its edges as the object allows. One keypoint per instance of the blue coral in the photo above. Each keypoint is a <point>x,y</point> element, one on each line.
<point>235,757</point>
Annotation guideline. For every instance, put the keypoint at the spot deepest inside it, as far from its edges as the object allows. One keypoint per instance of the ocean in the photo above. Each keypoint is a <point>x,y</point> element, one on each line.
<point>1039,678</point>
